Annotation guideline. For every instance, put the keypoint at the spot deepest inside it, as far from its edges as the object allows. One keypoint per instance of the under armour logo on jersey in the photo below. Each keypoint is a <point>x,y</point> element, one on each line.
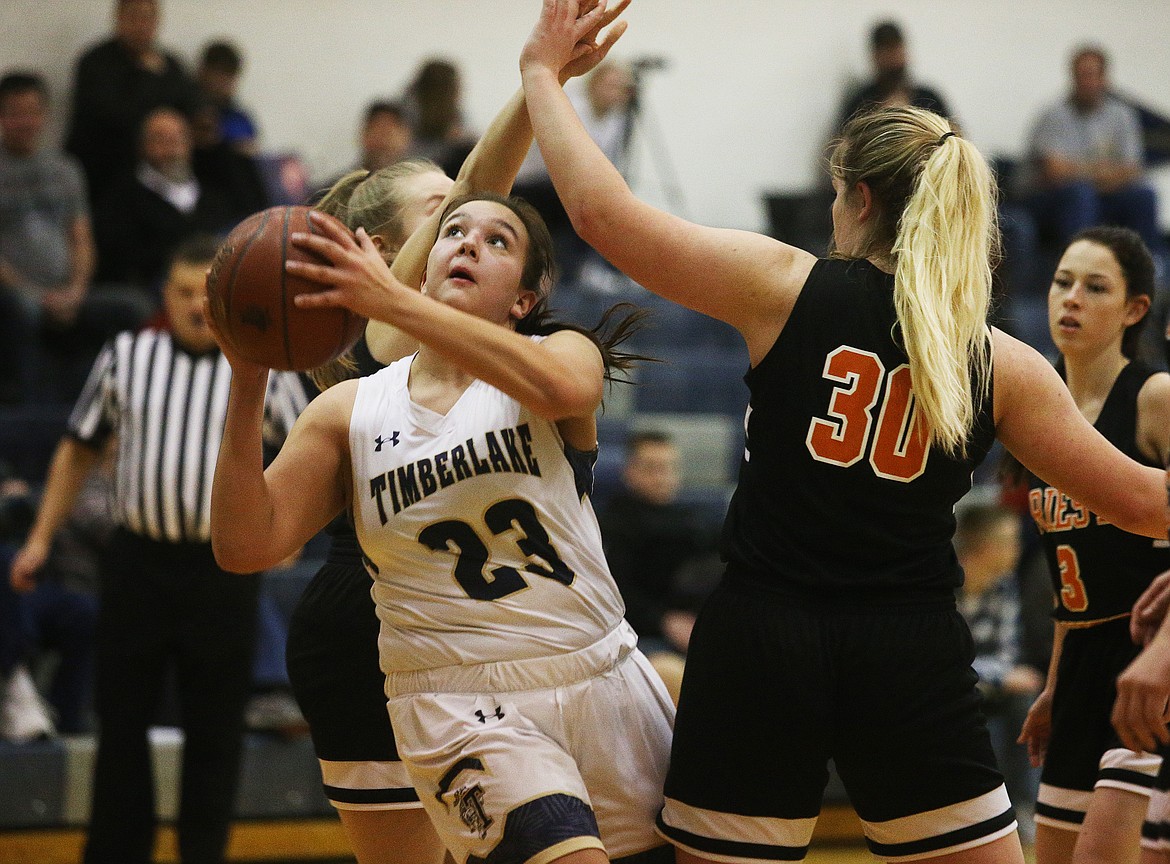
<point>379,441</point>
<point>499,715</point>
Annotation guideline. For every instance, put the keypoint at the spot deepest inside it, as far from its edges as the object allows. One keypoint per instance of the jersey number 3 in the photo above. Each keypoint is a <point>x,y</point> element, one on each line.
<point>511,514</point>
<point>1072,587</point>
<point>898,450</point>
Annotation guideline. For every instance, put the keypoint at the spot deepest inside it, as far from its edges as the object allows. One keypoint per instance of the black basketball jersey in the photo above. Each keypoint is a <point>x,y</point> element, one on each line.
<point>1098,570</point>
<point>840,497</point>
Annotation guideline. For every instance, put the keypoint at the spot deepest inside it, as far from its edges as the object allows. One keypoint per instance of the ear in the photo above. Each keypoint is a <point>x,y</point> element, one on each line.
<point>525,300</point>
<point>867,204</point>
<point>1136,309</point>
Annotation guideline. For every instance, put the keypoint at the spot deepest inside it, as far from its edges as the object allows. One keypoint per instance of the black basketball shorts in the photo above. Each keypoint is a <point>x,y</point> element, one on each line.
<point>775,687</point>
<point>333,666</point>
<point>1084,751</point>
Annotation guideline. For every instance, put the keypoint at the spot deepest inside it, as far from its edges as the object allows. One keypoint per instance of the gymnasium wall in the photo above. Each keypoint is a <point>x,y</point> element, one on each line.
<point>745,103</point>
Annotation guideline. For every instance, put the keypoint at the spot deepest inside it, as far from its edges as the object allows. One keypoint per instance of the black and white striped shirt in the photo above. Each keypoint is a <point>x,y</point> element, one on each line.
<point>166,406</point>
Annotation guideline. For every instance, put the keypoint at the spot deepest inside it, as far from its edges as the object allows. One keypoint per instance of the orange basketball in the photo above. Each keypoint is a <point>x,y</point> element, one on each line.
<point>252,295</point>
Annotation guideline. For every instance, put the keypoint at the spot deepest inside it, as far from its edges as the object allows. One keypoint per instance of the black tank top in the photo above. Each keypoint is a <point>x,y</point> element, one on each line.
<point>837,500</point>
<point>343,543</point>
<point>1098,570</point>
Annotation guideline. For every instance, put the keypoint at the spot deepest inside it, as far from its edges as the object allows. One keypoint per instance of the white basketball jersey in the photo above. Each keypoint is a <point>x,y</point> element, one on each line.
<point>481,546</point>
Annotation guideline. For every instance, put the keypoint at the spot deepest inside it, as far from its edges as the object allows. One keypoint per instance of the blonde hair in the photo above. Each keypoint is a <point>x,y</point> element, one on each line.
<point>935,215</point>
<point>373,201</point>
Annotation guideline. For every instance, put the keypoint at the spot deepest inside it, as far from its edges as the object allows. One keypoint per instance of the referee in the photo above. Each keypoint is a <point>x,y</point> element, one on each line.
<point>165,605</point>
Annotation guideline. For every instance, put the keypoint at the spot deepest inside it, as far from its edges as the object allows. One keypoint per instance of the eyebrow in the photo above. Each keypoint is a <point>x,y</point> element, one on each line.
<point>1092,275</point>
<point>501,223</point>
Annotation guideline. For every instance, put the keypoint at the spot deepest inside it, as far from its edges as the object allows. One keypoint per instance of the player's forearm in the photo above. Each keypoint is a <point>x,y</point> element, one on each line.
<point>579,170</point>
<point>496,158</point>
<point>241,505</point>
<point>492,165</point>
<point>498,356</point>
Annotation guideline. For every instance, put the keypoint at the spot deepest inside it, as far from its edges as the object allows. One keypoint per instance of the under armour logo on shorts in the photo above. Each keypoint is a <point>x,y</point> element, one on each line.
<point>499,715</point>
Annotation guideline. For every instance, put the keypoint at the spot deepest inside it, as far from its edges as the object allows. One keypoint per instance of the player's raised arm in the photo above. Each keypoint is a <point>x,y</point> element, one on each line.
<point>1037,420</point>
<point>745,279</point>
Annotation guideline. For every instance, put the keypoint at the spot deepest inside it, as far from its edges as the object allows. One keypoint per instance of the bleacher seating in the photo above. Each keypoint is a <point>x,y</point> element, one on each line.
<point>695,381</point>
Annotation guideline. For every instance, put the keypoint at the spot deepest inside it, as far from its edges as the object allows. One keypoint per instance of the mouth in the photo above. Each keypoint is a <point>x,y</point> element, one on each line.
<point>461,274</point>
<point>1067,322</point>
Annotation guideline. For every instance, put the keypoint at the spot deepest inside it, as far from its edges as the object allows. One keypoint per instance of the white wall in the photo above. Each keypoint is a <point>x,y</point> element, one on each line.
<point>745,105</point>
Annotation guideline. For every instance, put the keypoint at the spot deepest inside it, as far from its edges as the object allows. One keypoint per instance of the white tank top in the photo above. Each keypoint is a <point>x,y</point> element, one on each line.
<point>480,543</point>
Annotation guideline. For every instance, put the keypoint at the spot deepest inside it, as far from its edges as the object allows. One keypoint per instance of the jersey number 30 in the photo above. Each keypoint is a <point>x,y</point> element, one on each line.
<point>898,450</point>
<point>511,514</point>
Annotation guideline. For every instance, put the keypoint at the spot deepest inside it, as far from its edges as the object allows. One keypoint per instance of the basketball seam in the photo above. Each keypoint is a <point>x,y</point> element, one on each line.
<point>239,260</point>
<point>284,287</point>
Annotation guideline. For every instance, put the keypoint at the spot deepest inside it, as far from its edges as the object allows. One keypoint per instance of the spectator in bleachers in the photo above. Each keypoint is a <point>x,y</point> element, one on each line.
<point>48,312</point>
<point>1087,160</point>
<point>165,605</point>
<point>385,138</point>
<point>891,84</point>
<point>218,165</point>
<point>59,613</point>
<point>987,543</point>
<point>661,558</point>
<point>150,210</point>
<point>46,243</point>
<point>115,85</point>
<point>24,714</point>
<point>219,76</point>
<point>433,102</point>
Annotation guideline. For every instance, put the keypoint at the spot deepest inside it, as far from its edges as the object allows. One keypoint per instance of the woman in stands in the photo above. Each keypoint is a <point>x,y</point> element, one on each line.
<point>876,387</point>
<point>333,636</point>
<point>1094,791</point>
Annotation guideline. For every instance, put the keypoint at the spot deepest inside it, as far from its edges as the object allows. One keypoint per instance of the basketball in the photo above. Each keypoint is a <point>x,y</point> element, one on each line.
<point>251,296</point>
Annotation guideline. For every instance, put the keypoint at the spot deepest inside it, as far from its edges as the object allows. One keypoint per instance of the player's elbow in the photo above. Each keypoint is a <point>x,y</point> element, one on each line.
<point>235,557</point>
<point>563,399</point>
<point>595,217</point>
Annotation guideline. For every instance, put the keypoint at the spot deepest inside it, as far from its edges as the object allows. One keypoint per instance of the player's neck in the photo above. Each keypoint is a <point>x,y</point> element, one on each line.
<point>1091,377</point>
<point>435,382</point>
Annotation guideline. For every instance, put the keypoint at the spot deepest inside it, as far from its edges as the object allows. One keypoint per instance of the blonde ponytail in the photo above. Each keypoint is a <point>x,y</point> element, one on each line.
<point>942,288</point>
<point>936,218</point>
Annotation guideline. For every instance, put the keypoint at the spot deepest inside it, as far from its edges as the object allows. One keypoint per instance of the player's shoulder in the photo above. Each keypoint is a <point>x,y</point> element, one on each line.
<point>1154,396</point>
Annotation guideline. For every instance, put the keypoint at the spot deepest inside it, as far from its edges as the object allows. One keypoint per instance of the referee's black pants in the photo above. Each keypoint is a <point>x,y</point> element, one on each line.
<point>167,607</point>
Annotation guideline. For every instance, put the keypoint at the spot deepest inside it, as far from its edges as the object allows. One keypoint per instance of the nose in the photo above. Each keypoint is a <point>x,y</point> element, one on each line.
<point>469,247</point>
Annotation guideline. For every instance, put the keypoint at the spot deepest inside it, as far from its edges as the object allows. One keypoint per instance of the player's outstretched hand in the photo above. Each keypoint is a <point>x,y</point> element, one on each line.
<point>593,51</point>
<point>1037,728</point>
<point>1139,712</point>
<point>1150,609</point>
<point>355,276</point>
<point>563,35</point>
